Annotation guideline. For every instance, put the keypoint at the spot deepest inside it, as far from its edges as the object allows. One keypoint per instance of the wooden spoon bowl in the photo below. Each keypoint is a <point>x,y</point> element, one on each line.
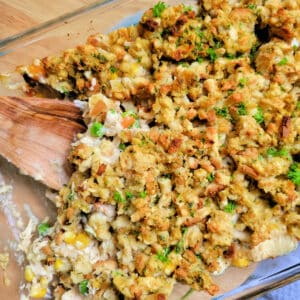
<point>36,136</point>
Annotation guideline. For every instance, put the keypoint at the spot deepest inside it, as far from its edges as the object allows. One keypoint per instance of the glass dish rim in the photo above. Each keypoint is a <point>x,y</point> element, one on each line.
<point>26,37</point>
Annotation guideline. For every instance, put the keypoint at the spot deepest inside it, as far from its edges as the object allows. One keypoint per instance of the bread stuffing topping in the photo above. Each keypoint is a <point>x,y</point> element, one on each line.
<point>190,161</point>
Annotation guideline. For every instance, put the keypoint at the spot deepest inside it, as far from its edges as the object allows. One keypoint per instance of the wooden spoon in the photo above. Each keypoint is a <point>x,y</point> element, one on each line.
<point>36,135</point>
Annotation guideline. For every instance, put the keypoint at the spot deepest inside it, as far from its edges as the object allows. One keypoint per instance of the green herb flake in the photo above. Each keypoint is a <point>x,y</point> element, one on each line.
<point>283,61</point>
<point>143,194</point>
<point>83,287</point>
<point>183,64</point>
<point>259,116</point>
<point>200,60</point>
<point>187,8</point>
<point>241,108</point>
<point>223,112</point>
<point>294,173</point>
<point>163,255</point>
<point>187,294</point>
<point>210,177</point>
<point>64,90</point>
<point>158,9</point>
<point>43,229</point>
<point>252,6</point>
<point>122,146</point>
<point>199,33</point>
<point>230,207</point>
<point>212,54</point>
<point>130,113</point>
<point>101,57</point>
<point>184,230</point>
<point>253,52</point>
<point>230,56</point>
<point>72,195</point>
<point>298,105</point>
<point>113,69</point>
<point>242,82</point>
<point>275,153</point>
<point>97,129</point>
<point>118,197</point>
<point>128,195</point>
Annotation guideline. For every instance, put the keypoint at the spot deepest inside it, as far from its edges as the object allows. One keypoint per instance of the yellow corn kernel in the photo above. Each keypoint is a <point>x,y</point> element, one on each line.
<point>69,237</point>
<point>44,281</point>
<point>169,267</point>
<point>240,262</point>
<point>37,291</point>
<point>58,264</point>
<point>28,274</point>
<point>82,241</point>
<point>134,68</point>
<point>113,76</point>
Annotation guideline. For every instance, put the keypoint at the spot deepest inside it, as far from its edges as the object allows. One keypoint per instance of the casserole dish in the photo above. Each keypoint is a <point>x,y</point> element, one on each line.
<point>71,30</point>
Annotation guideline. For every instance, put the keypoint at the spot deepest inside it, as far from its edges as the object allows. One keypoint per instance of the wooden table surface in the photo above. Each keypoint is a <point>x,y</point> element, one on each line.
<point>19,15</point>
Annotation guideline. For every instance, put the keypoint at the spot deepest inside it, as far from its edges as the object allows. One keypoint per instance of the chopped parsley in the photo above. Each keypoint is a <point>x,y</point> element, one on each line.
<point>283,61</point>
<point>242,82</point>
<point>200,60</point>
<point>97,129</point>
<point>143,194</point>
<point>83,287</point>
<point>187,8</point>
<point>252,6</point>
<point>212,54</point>
<point>163,255</point>
<point>122,146</point>
<point>259,116</point>
<point>129,113</point>
<point>210,177</point>
<point>158,8</point>
<point>241,108</point>
<point>72,195</point>
<point>294,173</point>
<point>199,33</point>
<point>118,197</point>
<point>101,57</point>
<point>183,64</point>
<point>230,56</point>
<point>298,105</point>
<point>274,152</point>
<point>113,69</point>
<point>43,229</point>
<point>64,91</point>
<point>223,112</point>
<point>253,52</point>
<point>128,195</point>
<point>230,207</point>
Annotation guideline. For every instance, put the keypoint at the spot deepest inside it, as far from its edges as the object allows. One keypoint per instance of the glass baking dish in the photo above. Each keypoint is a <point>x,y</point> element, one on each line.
<point>28,196</point>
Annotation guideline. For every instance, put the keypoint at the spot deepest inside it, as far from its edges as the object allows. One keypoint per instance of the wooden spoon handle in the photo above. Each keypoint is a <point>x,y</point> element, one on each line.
<point>36,135</point>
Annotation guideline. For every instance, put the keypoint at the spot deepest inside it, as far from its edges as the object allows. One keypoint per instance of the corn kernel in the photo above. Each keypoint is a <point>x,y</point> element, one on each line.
<point>240,262</point>
<point>133,69</point>
<point>69,237</point>
<point>28,274</point>
<point>169,267</point>
<point>82,241</point>
<point>58,265</point>
<point>44,281</point>
<point>113,76</point>
<point>38,291</point>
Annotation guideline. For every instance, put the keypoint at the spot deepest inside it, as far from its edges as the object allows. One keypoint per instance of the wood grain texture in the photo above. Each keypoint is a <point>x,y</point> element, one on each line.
<point>36,134</point>
<point>19,15</point>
